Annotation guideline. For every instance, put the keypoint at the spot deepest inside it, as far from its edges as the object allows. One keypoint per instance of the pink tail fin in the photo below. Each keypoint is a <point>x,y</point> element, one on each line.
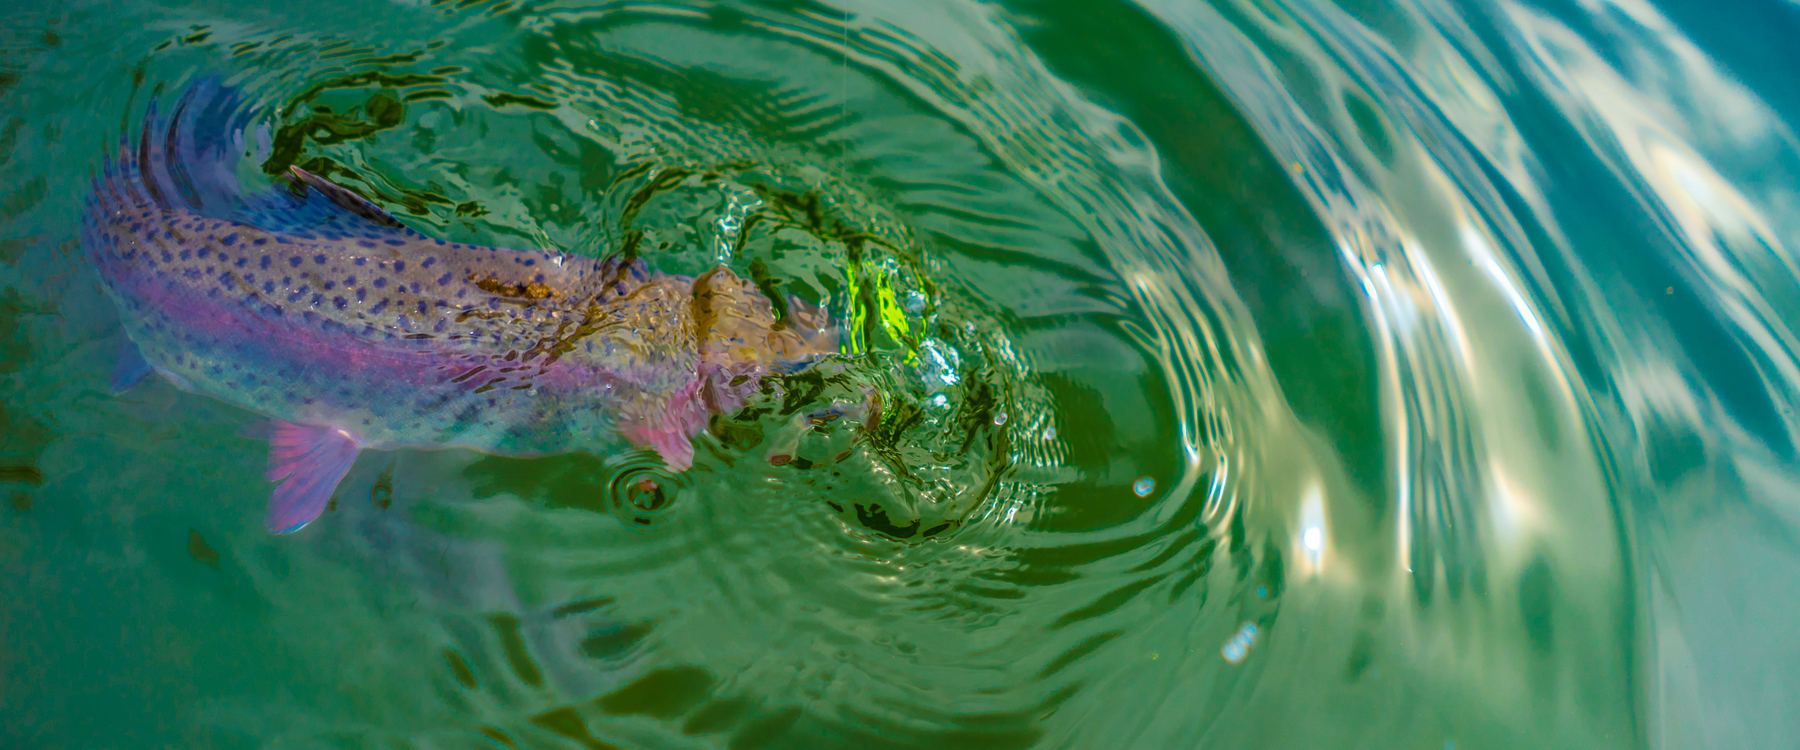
<point>308,461</point>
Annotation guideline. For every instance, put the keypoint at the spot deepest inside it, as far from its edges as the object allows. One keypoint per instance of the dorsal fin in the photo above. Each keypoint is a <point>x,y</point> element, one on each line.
<point>345,199</point>
<point>316,206</point>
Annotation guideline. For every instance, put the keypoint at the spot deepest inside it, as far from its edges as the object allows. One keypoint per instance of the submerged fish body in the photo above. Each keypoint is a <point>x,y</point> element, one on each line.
<point>315,308</point>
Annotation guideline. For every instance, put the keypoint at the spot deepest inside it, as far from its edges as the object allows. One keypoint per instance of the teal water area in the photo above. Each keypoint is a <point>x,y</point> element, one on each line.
<point>1253,374</point>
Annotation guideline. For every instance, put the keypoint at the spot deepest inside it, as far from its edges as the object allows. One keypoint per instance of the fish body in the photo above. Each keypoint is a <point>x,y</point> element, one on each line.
<point>315,308</point>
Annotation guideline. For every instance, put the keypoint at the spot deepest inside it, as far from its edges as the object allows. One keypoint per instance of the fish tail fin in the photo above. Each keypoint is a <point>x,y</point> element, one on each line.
<point>185,158</point>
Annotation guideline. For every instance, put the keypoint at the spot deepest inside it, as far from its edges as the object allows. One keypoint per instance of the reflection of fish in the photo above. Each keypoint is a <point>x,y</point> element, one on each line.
<point>314,307</point>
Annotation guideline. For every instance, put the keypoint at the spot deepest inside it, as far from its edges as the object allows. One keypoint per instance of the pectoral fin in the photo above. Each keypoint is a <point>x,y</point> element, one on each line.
<point>309,461</point>
<point>667,424</point>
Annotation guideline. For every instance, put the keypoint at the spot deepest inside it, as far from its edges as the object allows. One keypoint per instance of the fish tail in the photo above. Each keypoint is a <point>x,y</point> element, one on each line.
<point>185,158</point>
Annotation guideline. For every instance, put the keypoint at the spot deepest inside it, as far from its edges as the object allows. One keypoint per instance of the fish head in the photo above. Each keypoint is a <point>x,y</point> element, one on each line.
<point>739,341</point>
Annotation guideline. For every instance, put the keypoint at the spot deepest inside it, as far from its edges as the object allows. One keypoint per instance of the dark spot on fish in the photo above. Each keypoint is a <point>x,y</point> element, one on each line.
<point>329,285</point>
<point>360,293</point>
<point>349,281</point>
<point>428,262</point>
<point>396,243</point>
<point>380,282</point>
<point>185,254</point>
<point>202,252</point>
<point>295,261</point>
<point>366,244</point>
<point>229,240</point>
<point>241,262</point>
<point>316,299</point>
<point>260,241</point>
<point>529,262</point>
<point>340,302</point>
<point>379,306</point>
<point>416,336</point>
<point>422,307</point>
<point>399,266</point>
<point>319,259</point>
<point>444,280</point>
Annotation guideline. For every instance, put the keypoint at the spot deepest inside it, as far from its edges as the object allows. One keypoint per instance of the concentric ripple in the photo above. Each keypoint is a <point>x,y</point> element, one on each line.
<point>935,534</point>
<point>1223,374</point>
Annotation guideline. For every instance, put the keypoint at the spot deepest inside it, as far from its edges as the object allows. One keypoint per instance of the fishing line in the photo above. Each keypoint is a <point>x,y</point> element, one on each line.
<point>844,95</point>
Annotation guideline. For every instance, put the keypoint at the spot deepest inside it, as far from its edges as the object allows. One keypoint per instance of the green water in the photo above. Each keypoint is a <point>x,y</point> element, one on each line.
<point>1254,375</point>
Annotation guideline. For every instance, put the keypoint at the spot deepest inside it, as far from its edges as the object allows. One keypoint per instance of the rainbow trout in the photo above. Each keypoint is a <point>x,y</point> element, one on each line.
<point>315,308</point>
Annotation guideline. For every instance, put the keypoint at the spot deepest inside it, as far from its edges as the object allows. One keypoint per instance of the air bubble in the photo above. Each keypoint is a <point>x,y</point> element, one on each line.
<point>1000,419</point>
<point>1144,487</point>
<point>1239,645</point>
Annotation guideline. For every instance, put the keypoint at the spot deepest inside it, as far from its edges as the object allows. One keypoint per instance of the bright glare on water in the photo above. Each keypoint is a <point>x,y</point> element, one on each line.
<point>1209,374</point>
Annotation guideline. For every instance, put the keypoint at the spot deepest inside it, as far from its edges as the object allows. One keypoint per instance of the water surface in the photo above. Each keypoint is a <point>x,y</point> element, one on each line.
<point>1255,374</point>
